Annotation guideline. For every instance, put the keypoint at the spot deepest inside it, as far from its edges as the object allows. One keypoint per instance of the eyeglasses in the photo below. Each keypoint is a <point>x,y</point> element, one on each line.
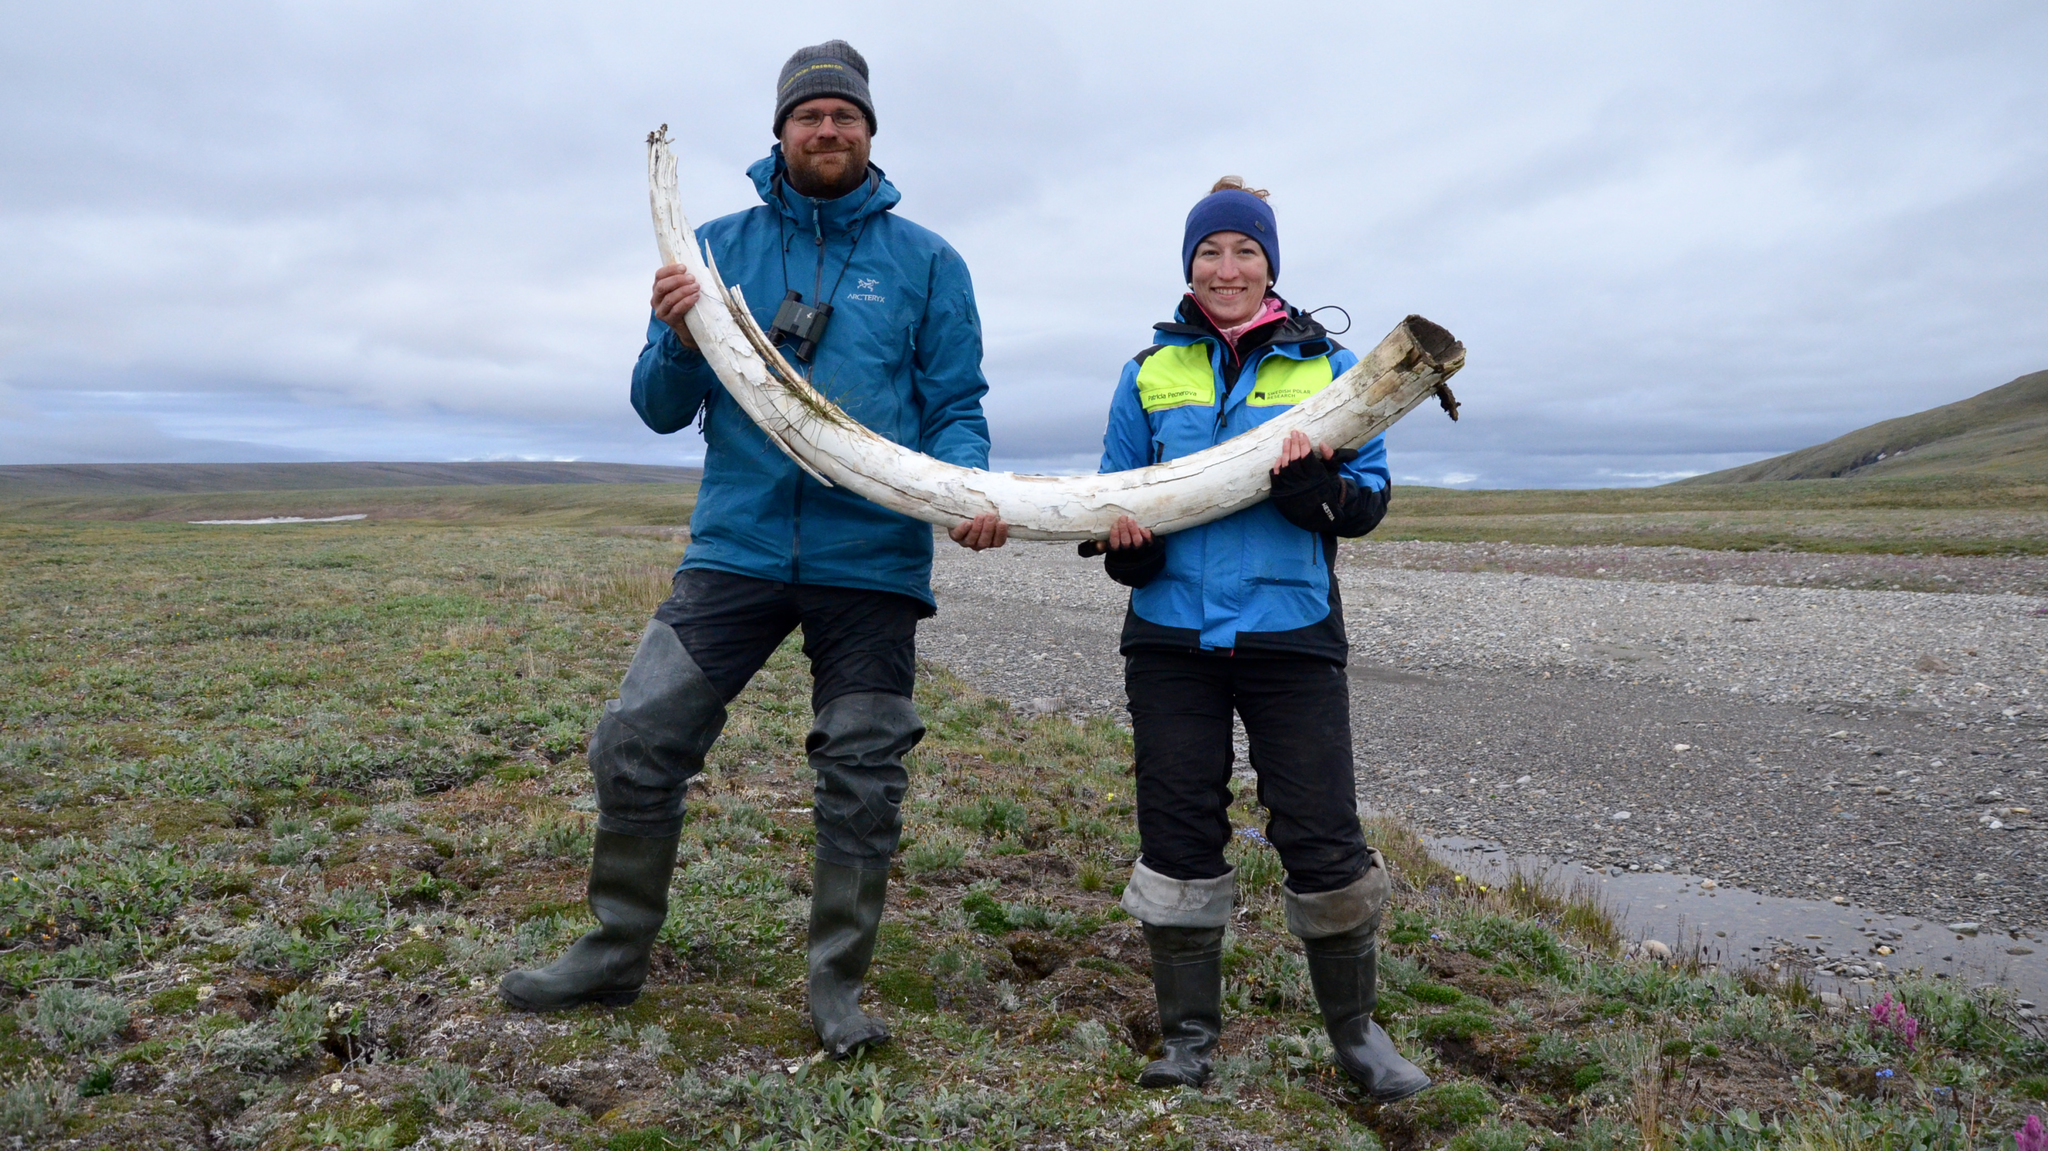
<point>843,118</point>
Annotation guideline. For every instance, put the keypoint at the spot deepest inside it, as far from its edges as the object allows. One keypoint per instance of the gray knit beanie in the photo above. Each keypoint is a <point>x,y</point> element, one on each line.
<point>829,69</point>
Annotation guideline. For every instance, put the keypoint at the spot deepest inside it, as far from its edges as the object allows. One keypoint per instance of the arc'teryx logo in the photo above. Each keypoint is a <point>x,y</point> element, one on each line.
<point>864,289</point>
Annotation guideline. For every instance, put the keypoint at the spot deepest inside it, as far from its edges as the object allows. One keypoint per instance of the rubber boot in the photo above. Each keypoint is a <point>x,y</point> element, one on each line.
<point>1187,978</point>
<point>846,916</point>
<point>629,877</point>
<point>1344,970</point>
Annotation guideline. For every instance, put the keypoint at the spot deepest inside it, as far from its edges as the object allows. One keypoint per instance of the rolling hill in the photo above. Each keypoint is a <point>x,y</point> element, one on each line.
<point>2002,432</point>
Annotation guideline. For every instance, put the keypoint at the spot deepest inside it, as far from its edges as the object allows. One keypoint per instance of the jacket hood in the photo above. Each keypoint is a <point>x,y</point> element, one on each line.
<point>770,175</point>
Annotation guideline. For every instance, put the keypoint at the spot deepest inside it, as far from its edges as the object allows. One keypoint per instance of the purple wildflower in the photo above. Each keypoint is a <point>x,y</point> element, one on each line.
<point>1888,1014</point>
<point>1252,834</point>
<point>2031,1136</point>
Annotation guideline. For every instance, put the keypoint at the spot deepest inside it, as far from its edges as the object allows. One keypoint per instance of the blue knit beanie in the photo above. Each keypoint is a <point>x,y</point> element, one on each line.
<point>1230,210</point>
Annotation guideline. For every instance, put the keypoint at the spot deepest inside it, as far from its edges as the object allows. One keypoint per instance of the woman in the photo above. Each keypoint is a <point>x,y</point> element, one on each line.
<point>1243,615</point>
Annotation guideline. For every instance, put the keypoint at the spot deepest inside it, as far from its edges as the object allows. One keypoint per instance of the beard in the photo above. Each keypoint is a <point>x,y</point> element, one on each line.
<point>827,175</point>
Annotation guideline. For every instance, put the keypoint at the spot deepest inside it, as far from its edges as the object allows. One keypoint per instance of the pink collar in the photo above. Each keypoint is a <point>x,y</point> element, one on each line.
<point>1270,309</point>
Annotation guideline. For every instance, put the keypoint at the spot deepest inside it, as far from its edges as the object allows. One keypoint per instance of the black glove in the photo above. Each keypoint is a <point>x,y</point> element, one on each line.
<point>1311,491</point>
<point>1131,567</point>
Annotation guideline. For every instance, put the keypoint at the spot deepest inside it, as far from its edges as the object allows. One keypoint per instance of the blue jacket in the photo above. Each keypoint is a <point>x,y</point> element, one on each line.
<point>1252,581</point>
<point>901,354</point>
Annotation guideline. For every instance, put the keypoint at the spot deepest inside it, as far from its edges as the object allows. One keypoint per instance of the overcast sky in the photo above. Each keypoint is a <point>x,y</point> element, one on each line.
<point>1672,237</point>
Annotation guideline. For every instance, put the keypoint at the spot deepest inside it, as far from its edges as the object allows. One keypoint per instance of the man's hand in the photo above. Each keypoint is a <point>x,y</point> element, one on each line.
<point>1297,447</point>
<point>983,531</point>
<point>675,293</point>
<point>1125,533</point>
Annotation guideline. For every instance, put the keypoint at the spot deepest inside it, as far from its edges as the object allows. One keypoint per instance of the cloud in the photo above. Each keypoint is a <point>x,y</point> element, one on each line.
<point>1668,237</point>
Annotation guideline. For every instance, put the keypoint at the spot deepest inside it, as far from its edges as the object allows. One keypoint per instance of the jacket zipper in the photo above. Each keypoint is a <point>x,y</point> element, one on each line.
<point>818,225</point>
<point>796,515</point>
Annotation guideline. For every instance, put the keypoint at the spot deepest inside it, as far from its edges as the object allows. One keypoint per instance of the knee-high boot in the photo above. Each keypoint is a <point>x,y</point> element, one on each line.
<point>629,878</point>
<point>1187,979</point>
<point>846,918</point>
<point>1339,932</point>
<point>1184,921</point>
<point>648,744</point>
<point>857,744</point>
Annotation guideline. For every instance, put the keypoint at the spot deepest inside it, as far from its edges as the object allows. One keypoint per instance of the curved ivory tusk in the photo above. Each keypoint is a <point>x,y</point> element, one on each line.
<point>1407,367</point>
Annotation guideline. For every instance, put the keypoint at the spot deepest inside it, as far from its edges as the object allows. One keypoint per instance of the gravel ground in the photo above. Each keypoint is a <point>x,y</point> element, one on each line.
<point>1884,747</point>
<point>2027,575</point>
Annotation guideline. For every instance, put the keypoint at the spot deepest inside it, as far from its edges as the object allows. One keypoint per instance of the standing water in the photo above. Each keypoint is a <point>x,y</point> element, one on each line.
<point>1840,947</point>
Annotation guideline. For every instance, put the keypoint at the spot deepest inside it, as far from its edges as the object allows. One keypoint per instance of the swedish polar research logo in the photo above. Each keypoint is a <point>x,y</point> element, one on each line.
<point>864,289</point>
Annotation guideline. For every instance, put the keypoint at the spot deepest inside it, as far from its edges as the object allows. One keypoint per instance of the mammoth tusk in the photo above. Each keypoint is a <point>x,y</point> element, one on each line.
<point>1407,367</point>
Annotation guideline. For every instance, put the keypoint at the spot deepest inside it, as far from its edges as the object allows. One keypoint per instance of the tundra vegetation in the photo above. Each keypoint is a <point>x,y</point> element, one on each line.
<point>279,805</point>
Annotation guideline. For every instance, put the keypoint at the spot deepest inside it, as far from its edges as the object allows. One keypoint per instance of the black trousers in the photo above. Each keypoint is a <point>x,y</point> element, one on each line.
<point>1297,716</point>
<point>857,640</point>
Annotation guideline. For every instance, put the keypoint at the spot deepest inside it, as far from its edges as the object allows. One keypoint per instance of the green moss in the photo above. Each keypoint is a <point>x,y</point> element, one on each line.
<point>1392,1005</point>
<point>1507,1137</point>
<point>898,975</point>
<point>1435,993</point>
<point>541,908</point>
<point>1460,1025</point>
<point>1407,928</point>
<point>1454,1104</point>
<point>176,1000</point>
<point>647,1139</point>
<point>414,957</point>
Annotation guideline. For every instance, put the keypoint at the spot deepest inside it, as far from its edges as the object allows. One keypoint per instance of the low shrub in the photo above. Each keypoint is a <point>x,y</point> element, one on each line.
<point>74,1018</point>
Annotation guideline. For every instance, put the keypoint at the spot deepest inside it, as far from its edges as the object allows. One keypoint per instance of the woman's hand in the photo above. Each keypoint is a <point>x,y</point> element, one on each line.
<point>1125,533</point>
<point>983,531</point>
<point>1296,447</point>
<point>675,293</point>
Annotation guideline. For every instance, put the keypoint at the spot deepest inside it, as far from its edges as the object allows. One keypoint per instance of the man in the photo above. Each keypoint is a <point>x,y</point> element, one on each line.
<point>899,348</point>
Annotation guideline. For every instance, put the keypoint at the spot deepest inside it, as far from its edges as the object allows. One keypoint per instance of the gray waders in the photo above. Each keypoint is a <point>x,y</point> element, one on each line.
<point>857,744</point>
<point>648,744</point>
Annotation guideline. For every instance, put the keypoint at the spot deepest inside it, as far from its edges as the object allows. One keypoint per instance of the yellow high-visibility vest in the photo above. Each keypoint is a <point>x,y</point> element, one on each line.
<point>1179,376</point>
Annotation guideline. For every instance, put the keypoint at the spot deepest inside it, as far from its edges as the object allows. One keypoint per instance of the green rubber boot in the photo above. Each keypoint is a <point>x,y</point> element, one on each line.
<point>629,877</point>
<point>846,918</point>
<point>1344,970</point>
<point>1187,977</point>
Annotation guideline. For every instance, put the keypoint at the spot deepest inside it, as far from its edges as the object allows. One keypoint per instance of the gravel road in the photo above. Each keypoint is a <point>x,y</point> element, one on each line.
<point>1885,747</point>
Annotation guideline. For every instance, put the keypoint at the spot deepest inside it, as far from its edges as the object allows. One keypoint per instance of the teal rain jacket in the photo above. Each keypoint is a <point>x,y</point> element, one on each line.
<point>901,354</point>
<point>1251,581</point>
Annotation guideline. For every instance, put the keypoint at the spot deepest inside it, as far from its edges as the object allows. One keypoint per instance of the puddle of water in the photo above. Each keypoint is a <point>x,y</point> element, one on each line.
<point>1735,929</point>
<point>289,520</point>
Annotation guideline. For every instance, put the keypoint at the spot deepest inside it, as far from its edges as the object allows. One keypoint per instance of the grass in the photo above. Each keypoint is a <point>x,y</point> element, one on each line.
<point>277,808</point>
<point>525,504</point>
<point>1960,514</point>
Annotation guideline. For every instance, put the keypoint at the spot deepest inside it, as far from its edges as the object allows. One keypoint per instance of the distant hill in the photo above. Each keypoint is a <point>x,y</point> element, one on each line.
<point>35,480</point>
<point>2000,432</point>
